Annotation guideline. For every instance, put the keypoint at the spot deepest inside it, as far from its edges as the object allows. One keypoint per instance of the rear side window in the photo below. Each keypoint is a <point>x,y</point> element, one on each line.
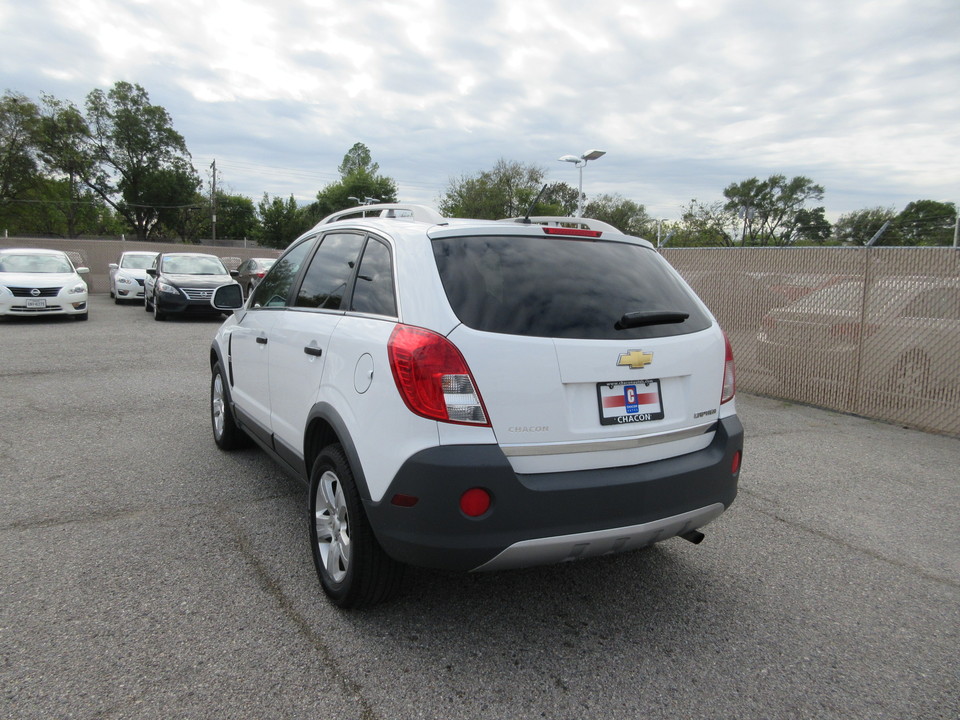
<point>373,292</point>
<point>563,288</point>
<point>327,279</point>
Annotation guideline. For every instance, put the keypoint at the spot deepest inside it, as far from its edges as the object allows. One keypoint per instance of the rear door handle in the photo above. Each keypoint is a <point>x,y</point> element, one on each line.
<point>312,350</point>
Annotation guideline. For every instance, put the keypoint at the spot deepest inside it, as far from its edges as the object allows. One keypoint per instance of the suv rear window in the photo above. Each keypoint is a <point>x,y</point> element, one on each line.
<point>563,288</point>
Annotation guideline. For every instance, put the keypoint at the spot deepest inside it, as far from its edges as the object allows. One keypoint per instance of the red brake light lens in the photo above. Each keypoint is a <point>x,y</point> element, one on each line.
<point>578,232</point>
<point>433,378</point>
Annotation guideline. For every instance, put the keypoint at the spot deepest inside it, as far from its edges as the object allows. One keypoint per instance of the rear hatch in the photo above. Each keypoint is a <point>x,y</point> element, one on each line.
<point>588,352</point>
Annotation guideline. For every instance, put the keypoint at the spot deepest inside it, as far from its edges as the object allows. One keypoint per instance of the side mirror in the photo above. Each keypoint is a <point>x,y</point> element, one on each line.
<point>82,270</point>
<point>227,297</point>
<point>152,272</point>
<point>113,266</point>
<point>235,273</point>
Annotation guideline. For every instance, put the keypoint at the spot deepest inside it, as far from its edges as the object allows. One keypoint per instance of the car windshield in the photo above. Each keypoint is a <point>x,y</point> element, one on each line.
<point>564,288</point>
<point>137,262</point>
<point>193,265</point>
<point>35,264</point>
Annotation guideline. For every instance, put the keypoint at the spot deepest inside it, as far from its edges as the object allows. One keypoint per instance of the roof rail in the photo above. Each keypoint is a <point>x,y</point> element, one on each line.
<point>421,213</point>
<point>567,222</point>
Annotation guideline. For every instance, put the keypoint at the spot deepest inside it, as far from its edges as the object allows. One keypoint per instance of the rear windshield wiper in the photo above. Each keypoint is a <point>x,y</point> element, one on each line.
<point>649,317</point>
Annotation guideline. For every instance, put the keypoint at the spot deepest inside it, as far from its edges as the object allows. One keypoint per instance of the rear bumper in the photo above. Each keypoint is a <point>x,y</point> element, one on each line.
<point>543,519</point>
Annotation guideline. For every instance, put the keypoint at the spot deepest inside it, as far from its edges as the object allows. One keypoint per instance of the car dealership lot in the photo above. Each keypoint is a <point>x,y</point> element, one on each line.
<point>145,574</point>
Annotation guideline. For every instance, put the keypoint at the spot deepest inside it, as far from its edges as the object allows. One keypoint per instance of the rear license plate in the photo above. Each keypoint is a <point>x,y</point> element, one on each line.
<point>629,401</point>
<point>36,302</point>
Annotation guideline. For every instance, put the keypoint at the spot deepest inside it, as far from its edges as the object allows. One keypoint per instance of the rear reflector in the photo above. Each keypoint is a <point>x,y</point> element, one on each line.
<point>475,502</point>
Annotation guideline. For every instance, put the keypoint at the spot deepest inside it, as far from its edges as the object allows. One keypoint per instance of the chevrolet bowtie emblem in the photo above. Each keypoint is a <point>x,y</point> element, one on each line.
<point>635,359</point>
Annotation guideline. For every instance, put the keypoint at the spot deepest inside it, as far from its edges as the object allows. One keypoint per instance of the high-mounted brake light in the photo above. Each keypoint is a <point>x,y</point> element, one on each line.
<point>729,373</point>
<point>577,232</point>
<point>433,378</point>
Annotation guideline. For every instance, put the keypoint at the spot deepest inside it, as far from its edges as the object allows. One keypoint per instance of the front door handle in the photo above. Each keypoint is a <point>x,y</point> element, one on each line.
<point>312,350</point>
<point>262,340</point>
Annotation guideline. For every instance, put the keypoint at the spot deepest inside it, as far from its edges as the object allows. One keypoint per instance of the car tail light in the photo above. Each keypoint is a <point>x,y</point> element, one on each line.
<point>729,373</point>
<point>433,378</point>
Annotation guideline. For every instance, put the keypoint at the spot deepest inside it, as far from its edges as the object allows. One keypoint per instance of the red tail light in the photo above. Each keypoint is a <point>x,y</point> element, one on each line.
<point>433,378</point>
<point>729,373</point>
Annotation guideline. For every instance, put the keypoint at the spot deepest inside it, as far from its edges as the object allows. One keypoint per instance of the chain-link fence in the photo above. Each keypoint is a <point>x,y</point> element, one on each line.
<point>870,331</point>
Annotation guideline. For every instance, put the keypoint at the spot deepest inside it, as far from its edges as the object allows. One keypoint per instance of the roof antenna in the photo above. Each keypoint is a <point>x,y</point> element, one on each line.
<point>526,220</point>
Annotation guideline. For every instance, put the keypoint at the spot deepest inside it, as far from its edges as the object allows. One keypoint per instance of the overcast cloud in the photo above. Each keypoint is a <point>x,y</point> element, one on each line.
<point>686,97</point>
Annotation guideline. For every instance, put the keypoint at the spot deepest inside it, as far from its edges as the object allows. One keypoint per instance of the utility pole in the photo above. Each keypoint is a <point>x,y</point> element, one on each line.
<point>213,199</point>
<point>956,229</point>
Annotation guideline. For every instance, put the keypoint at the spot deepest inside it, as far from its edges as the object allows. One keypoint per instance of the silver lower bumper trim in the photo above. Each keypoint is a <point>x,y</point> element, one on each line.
<point>563,548</point>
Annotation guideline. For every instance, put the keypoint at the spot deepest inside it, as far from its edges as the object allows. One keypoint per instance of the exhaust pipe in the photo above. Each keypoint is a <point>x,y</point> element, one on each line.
<point>694,536</point>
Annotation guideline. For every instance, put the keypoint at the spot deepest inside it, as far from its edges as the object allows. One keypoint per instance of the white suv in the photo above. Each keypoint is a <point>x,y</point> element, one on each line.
<point>478,395</point>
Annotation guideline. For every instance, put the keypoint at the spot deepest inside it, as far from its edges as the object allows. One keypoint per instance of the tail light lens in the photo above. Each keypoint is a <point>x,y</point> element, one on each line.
<point>729,373</point>
<point>433,378</point>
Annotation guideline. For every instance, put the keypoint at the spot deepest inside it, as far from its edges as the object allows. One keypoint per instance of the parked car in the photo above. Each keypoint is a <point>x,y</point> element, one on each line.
<point>179,283</point>
<point>455,397</point>
<point>41,282</point>
<point>128,275</point>
<point>251,272</point>
<point>895,340</point>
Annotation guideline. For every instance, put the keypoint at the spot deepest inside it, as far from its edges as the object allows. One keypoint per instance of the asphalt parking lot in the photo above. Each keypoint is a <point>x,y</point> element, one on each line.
<point>145,574</point>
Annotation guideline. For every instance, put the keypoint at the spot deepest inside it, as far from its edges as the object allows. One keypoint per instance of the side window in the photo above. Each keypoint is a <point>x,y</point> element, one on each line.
<point>327,280</point>
<point>373,292</point>
<point>274,289</point>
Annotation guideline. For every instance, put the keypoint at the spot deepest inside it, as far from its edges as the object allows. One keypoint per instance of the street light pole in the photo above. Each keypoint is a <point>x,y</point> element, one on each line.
<point>580,162</point>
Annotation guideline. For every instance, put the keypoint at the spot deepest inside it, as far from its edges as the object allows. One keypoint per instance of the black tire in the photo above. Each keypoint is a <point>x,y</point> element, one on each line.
<point>81,318</point>
<point>158,314</point>
<point>353,569</point>
<point>226,434</point>
<point>147,306</point>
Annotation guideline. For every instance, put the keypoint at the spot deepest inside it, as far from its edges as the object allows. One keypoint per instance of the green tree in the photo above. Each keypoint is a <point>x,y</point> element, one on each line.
<point>770,208</point>
<point>812,226</point>
<point>505,191</point>
<point>925,222</point>
<point>236,216</point>
<point>858,227</point>
<point>281,221</point>
<point>359,179</point>
<point>19,118</point>
<point>142,166</point>
<point>63,147</point>
<point>357,159</point>
<point>625,215</point>
<point>703,225</point>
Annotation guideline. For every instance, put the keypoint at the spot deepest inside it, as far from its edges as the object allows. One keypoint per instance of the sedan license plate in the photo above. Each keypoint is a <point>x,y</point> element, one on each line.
<point>36,302</point>
<point>629,401</point>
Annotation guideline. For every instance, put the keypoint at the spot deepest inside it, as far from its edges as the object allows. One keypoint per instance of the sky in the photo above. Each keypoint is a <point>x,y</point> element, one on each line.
<point>684,96</point>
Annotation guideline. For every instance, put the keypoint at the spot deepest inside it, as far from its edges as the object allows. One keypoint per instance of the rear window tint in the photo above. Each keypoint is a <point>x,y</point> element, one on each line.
<point>553,287</point>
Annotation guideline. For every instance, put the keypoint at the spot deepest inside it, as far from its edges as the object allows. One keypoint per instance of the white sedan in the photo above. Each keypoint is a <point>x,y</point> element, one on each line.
<point>127,276</point>
<point>41,282</point>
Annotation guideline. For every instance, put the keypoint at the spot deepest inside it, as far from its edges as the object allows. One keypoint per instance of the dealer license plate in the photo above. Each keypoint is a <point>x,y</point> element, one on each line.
<point>629,401</point>
<point>36,302</point>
